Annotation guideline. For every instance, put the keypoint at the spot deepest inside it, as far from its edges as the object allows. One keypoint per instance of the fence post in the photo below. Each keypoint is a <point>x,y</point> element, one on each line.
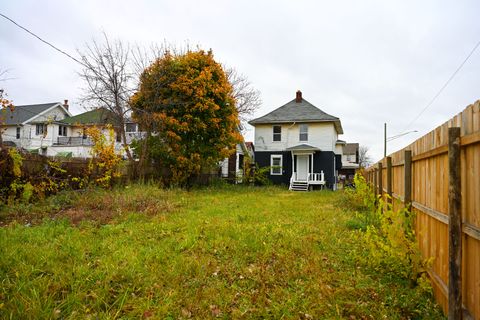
<point>408,179</point>
<point>454,226</point>
<point>380,182</point>
<point>389,178</point>
<point>375,181</point>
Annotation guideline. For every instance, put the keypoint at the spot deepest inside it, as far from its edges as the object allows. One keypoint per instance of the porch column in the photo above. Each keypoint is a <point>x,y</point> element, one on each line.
<point>293,162</point>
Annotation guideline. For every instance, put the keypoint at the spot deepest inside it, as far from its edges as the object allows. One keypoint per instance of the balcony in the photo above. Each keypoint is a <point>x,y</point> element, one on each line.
<point>74,141</point>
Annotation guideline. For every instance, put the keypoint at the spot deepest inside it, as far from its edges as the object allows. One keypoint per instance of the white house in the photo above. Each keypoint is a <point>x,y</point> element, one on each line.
<point>233,166</point>
<point>51,130</point>
<point>35,127</point>
<point>349,162</point>
<point>299,142</point>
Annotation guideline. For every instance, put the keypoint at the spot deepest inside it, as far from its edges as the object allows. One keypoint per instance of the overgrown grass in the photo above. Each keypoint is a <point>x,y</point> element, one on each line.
<point>230,252</point>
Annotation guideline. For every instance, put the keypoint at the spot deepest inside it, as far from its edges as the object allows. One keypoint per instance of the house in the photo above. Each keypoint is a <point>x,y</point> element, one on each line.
<point>76,142</point>
<point>232,168</point>
<point>51,130</point>
<point>298,142</point>
<point>35,127</point>
<point>349,162</point>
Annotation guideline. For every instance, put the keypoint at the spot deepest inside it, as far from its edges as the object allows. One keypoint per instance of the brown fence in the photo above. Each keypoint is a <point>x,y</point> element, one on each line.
<point>425,175</point>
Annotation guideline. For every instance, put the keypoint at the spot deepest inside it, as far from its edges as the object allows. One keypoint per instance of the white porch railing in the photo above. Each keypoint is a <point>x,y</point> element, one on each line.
<point>312,179</point>
<point>293,178</point>
<point>316,177</point>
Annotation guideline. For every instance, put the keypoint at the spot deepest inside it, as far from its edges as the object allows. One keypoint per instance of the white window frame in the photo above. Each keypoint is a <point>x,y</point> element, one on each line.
<point>276,134</point>
<point>300,132</point>
<point>40,129</point>
<point>128,127</point>
<point>18,133</point>
<point>276,156</point>
<point>62,131</point>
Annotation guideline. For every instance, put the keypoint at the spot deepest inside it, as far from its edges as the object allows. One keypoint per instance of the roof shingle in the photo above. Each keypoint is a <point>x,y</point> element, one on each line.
<point>23,113</point>
<point>294,111</point>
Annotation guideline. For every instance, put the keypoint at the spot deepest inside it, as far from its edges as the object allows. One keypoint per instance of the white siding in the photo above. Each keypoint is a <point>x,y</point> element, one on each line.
<point>320,135</point>
<point>339,149</point>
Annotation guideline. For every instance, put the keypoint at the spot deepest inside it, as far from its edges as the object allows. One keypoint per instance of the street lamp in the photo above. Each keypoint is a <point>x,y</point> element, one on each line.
<point>391,138</point>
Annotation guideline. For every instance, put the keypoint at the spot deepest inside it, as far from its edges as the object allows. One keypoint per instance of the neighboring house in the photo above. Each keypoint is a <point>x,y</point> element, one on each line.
<point>349,162</point>
<point>51,130</point>
<point>76,142</point>
<point>233,166</point>
<point>35,127</point>
<point>80,145</point>
<point>298,142</point>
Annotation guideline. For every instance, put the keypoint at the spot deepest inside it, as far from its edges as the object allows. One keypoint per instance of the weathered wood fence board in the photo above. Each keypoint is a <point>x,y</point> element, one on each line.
<point>426,185</point>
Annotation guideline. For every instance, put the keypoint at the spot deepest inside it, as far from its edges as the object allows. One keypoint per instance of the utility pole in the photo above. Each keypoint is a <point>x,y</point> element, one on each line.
<point>385,140</point>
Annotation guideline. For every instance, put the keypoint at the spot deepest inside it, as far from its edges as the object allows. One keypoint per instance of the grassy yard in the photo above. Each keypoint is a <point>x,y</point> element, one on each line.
<point>229,252</point>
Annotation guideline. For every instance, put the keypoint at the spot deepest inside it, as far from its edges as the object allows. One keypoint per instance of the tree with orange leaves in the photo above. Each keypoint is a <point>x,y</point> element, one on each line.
<point>4,105</point>
<point>187,103</point>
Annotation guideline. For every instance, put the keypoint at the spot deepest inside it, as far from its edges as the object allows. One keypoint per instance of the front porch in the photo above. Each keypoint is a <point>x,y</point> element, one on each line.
<point>313,179</point>
<point>303,176</point>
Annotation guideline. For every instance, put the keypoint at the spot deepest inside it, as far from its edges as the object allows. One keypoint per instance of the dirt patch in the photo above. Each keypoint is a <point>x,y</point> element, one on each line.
<point>99,207</point>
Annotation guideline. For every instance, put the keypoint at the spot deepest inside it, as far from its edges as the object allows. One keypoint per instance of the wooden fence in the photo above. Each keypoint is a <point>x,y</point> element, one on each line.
<point>439,176</point>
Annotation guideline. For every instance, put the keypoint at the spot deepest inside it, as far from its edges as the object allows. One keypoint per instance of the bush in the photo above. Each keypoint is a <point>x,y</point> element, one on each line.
<point>388,234</point>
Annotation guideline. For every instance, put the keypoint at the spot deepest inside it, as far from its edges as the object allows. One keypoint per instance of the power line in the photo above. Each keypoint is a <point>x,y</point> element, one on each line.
<point>44,41</point>
<point>55,48</point>
<point>444,86</point>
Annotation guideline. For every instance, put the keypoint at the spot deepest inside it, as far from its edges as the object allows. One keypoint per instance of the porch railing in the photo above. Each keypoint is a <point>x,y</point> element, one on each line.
<point>311,177</point>
<point>317,177</point>
<point>74,141</point>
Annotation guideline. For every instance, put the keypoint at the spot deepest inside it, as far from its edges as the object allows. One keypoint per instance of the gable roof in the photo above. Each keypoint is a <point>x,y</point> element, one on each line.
<point>303,147</point>
<point>22,114</point>
<point>302,111</point>
<point>350,148</point>
<point>95,116</point>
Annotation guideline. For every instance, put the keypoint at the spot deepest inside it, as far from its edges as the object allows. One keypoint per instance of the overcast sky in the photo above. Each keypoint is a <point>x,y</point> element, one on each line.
<point>366,62</point>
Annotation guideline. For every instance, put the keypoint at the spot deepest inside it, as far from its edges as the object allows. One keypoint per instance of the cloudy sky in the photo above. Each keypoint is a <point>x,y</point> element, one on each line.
<point>366,62</point>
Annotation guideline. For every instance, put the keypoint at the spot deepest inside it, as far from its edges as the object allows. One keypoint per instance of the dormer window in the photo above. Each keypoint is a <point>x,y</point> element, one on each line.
<point>277,133</point>
<point>303,132</point>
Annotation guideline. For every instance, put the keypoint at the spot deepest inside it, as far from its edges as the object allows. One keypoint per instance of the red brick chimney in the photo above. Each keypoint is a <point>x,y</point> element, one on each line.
<point>298,99</point>
<point>65,104</point>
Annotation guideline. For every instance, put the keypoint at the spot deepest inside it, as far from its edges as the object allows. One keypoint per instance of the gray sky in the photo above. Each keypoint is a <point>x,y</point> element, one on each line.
<point>366,62</point>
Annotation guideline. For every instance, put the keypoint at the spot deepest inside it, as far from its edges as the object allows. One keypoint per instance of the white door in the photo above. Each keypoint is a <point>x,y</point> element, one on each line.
<point>302,167</point>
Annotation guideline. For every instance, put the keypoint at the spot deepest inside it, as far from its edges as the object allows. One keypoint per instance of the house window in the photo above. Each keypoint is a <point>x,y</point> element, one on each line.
<point>62,131</point>
<point>277,133</point>
<point>349,158</point>
<point>276,164</point>
<point>18,133</point>
<point>40,129</point>
<point>303,132</point>
<point>131,127</point>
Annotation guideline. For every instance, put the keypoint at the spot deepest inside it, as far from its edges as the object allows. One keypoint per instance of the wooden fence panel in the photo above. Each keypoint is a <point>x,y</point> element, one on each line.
<point>429,194</point>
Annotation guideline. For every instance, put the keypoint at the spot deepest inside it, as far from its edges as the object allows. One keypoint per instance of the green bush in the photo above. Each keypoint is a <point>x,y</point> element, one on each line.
<point>388,238</point>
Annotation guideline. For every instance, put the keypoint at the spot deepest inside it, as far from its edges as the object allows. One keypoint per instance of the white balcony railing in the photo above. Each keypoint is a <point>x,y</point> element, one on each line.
<point>74,141</point>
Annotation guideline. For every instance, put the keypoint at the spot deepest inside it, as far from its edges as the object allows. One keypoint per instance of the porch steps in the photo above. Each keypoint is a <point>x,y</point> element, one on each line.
<point>299,186</point>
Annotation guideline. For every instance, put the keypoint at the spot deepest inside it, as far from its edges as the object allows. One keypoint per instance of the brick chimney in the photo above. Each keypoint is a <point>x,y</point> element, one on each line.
<point>65,104</point>
<point>298,99</point>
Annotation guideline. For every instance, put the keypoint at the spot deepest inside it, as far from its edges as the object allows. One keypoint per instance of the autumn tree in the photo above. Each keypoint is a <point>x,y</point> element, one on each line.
<point>188,102</point>
<point>5,105</point>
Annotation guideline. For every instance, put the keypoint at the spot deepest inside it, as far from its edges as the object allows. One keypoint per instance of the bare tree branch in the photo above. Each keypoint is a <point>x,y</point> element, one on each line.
<point>364,158</point>
<point>246,96</point>
<point>108,80</point>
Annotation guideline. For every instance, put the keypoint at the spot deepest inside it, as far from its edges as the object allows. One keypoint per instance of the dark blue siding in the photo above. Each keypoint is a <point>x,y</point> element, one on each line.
<point>322,160</point>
